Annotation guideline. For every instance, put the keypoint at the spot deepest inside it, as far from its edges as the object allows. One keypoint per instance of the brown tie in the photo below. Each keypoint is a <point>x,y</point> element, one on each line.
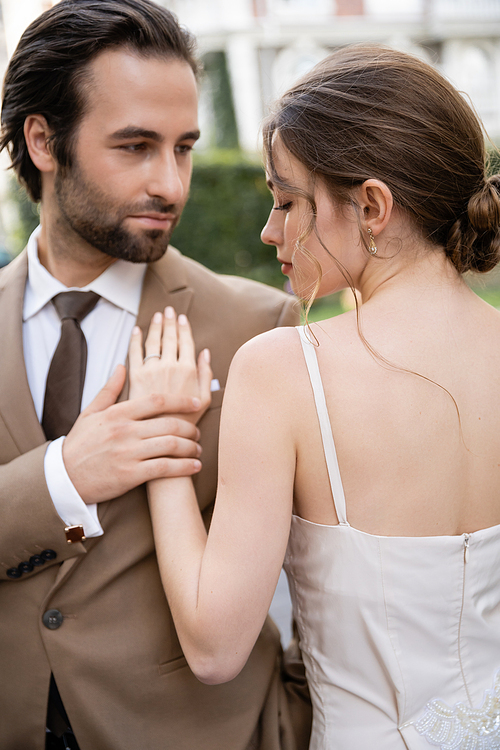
<point>63,399</point>
<point>63,392</point>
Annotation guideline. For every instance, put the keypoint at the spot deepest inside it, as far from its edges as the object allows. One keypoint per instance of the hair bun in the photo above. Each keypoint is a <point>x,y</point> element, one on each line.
<point>483,213</point>
<point>474,240</point>
<point>484,206</point>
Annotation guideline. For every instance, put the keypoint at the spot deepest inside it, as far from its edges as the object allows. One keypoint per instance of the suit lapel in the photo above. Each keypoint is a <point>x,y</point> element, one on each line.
<point>16,404</point>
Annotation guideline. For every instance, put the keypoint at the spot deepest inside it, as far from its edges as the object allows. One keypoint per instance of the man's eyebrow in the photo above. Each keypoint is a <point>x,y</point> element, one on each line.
<point>152,135</point>
<point>191,135</point>
<point>133,132</point>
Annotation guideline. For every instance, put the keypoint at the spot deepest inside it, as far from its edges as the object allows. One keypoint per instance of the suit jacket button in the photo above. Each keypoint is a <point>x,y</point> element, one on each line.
<point>52,619</point>
<point>37,560</point>
<point>25,567</point>
<point>14,573</point>
<point>48,554</point>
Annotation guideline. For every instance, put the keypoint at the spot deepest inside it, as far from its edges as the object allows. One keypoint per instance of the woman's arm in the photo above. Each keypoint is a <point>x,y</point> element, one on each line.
<point>220,589</point>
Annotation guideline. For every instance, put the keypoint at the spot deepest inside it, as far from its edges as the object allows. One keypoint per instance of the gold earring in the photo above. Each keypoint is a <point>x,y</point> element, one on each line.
<point>372,248</point>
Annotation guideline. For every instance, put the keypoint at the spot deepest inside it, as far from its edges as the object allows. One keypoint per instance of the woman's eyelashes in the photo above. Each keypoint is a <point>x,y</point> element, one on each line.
<point>283,206</point>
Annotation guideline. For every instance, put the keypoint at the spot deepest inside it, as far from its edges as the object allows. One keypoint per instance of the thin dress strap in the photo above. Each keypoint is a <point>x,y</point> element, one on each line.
<point>325,426</point>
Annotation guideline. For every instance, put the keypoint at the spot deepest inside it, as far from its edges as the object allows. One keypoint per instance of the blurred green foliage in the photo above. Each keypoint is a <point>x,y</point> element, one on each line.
<point>28,214</point>
<point>221,224</point>
<point>493,161</point>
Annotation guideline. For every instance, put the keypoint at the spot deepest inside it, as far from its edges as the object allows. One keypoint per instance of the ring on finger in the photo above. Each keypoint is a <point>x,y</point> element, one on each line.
<point>150,356</point>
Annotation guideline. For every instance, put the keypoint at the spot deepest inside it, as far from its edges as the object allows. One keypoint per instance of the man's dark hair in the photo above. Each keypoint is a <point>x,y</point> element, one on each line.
<point>47,72</point>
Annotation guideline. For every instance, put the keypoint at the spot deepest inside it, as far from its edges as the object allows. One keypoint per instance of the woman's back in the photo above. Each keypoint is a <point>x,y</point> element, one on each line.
<point>415,459</point>
<point>397,626</point>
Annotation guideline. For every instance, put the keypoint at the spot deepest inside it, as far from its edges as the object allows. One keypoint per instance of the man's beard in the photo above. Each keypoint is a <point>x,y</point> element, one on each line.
<point>98,220</point>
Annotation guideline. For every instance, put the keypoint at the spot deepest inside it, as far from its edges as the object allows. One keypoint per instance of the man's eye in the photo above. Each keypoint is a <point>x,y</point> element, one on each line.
<point>133,147</point>
<point>184,148</point>
<point>283,206</point>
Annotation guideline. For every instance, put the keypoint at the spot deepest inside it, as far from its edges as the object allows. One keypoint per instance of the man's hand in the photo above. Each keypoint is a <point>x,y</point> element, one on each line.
<point>113,448</point>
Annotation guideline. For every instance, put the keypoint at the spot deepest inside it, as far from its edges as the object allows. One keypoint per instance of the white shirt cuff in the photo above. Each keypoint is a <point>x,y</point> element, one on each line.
<point>67,502</point>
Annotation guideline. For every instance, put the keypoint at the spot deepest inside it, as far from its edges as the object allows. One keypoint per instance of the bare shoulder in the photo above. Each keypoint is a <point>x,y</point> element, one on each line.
<point>268,367</point>
<point>281,348</point>
<point>276,349</point>
<point>268,380</point>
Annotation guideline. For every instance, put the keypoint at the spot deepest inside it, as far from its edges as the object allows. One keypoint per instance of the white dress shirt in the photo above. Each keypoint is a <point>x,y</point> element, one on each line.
<point>107,329</point>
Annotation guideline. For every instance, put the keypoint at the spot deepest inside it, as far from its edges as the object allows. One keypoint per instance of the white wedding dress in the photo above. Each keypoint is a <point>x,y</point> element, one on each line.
<point>400,635</point>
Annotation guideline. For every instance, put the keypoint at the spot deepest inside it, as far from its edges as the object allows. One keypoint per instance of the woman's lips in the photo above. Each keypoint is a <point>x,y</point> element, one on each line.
<point>285,267</point>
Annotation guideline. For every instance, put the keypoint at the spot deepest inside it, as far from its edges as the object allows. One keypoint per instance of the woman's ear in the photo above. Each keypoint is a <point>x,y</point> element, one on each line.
<point>37,134</point>
<point>376,202</point>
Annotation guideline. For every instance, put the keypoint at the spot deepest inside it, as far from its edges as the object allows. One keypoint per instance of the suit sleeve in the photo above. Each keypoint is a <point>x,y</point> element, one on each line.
<point>290,312</point>
<point>32,535</point>
<point>293,675</point>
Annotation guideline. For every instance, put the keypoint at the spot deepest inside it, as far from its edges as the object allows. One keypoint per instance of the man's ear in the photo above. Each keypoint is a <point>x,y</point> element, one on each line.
<point>376,203</point>
<point>37,134</point>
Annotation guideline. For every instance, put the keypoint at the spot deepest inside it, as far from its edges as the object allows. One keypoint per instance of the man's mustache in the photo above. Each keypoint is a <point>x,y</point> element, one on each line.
<point>155,206</point>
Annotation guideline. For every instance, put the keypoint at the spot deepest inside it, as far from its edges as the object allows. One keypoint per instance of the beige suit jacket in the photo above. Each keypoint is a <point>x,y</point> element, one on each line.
<point>116,657</point>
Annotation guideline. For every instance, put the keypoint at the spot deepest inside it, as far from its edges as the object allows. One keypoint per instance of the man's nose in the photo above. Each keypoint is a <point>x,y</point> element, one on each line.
<point>167,181</point>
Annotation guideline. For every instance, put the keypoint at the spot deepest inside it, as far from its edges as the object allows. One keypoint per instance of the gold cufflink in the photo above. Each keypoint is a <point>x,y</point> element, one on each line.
<point>74,534</point>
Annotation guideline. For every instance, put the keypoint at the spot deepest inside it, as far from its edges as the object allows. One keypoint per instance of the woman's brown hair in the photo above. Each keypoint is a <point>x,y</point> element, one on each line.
<point>368,111</point>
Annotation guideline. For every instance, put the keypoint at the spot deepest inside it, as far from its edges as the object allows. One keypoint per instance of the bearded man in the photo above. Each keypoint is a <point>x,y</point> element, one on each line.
<point>100,117</point>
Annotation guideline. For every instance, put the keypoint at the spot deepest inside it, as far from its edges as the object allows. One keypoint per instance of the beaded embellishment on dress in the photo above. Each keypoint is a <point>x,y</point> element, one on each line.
<point>462,727</point>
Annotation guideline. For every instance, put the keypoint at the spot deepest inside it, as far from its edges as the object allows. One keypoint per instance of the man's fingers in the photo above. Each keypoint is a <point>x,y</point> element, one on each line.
<point>168,446</point>
<point>149,428</point>
<point>159,404</point>
<point>186,343</point>
<point>107,396</point>
<point>158,468</point>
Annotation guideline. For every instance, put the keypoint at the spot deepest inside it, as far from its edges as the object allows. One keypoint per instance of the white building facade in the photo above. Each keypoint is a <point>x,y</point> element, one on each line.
<point>269,43</point>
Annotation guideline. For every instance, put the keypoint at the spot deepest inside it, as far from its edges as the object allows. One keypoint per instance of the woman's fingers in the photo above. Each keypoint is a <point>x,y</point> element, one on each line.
<point>135,349</point>
<point>205,378</point>
<point>186,343</point>
<point>169,338</point>
<point>169,365</point>
<point>152,346</point>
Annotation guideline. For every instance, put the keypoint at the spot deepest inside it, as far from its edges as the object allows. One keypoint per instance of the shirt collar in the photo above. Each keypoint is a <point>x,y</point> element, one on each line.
<point>120,284</point>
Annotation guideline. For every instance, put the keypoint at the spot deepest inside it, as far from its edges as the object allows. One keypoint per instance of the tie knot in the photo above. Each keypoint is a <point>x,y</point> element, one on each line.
<point>75,305</point>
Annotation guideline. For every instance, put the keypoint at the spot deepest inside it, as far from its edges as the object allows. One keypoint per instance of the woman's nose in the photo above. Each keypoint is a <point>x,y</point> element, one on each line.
<point>272,234</point>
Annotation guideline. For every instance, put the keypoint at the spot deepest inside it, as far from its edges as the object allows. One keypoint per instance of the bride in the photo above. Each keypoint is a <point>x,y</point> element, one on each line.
<point>363,452</point>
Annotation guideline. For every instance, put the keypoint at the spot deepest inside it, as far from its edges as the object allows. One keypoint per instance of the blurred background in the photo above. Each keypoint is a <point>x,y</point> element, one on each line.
<point>252,50</point>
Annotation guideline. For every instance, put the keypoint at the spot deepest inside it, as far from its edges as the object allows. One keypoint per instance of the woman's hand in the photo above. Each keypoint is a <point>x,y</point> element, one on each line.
<point>169,365</point>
